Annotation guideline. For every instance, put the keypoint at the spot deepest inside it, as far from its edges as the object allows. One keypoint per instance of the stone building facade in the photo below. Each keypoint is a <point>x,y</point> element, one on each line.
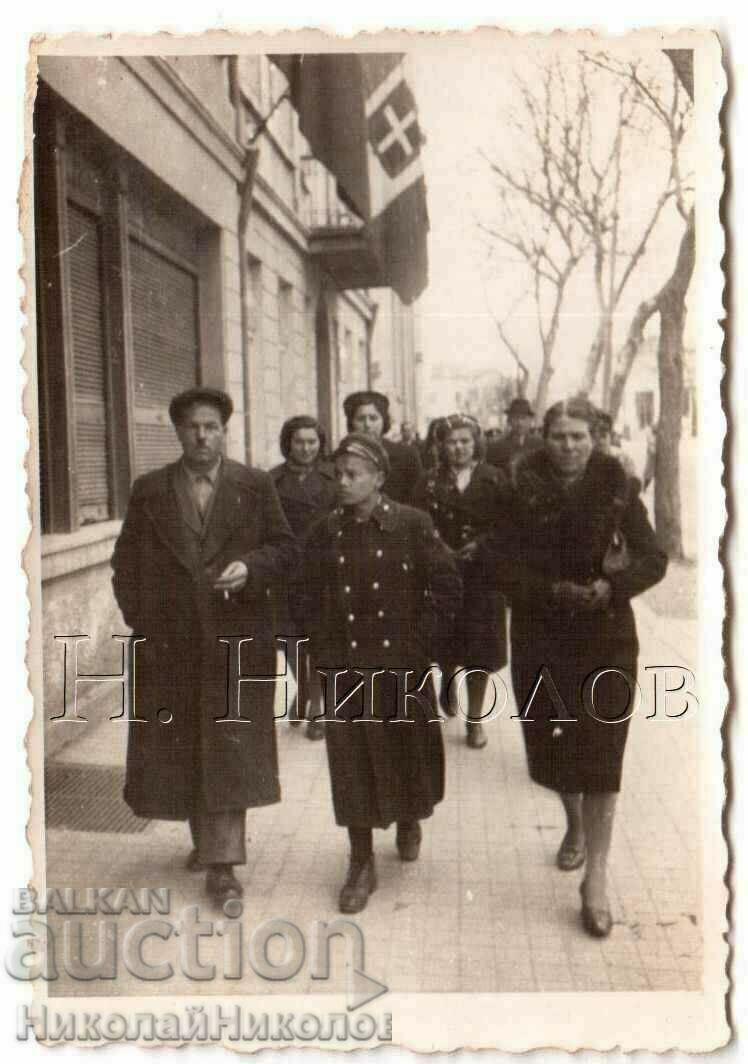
<point>164,259</point>
<point>396,356</point>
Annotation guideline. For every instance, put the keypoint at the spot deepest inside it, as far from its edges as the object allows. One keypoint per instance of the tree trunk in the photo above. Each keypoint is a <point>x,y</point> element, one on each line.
<point>594,357</point>
<point>523,378</point>
<point>671,303</point>
<point>627,354</point>
<point>607,360</point>
<point>541,393</point>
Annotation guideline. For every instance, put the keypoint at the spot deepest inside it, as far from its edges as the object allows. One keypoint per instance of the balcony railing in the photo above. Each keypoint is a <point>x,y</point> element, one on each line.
<point>337,236</point>
<point>331,218</point>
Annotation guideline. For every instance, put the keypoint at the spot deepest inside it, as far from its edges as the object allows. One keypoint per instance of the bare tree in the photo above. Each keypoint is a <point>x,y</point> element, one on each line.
<point>672,114</point>
<point>597,181</point>
<point>522,371</point>
<point>537,217</point>
<point>669,302</point>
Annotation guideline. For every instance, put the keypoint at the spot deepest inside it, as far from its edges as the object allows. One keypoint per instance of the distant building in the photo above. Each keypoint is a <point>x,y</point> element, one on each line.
<point>395,355</point>
<point>484,394</point>
<point>640,406</point>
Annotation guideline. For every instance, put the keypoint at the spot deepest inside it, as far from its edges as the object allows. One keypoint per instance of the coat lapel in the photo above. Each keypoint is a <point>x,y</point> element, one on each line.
<point>229,509</point>
<point>168,519</point>
<point>187,503</point>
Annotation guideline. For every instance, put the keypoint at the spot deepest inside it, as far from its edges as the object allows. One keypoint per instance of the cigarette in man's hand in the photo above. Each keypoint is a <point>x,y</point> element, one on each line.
<point>226,595</point>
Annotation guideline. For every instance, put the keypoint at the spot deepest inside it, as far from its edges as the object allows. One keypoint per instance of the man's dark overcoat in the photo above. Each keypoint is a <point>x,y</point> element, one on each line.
<point>164,569</point>
<point>380,594</point>
<point>461,517</point>
<point>507,451</point>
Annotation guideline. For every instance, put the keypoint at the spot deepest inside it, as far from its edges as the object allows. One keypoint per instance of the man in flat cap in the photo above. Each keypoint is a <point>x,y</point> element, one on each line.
<point>201,546</point>
<point>369,412</point>
<point>379,590</point>
<point>518,440</point>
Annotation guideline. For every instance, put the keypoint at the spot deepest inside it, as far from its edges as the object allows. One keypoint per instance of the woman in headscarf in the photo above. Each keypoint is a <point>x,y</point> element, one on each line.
<point>369,412</point>
<point>305,483</point>
<point>463,496</point>
<point>570,582</point>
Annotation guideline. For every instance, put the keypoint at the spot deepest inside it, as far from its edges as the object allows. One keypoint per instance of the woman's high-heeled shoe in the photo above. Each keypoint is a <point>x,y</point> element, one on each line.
<point>596,922</point>
<point>570,856</point>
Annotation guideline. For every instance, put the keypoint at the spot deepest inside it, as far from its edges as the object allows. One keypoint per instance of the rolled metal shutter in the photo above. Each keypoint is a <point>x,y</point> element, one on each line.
<point>164,303</point>
<point>91,471</point>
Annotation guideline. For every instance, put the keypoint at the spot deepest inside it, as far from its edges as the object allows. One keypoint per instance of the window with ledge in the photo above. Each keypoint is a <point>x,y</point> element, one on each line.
<point>119,265</point>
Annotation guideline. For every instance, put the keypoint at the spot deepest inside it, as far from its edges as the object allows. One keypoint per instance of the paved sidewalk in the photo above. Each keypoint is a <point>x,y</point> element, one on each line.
<point>484,909</point>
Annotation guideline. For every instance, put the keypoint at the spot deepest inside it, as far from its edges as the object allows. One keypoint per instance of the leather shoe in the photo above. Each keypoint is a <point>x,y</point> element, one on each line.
<point>476,737</point>
<point>570,856</point>
<point>193,864</point>
<point>596,922</point>
<point>361,882</point>
<point>408,840</point>
<point>315,730</point>
<point>222,885</point>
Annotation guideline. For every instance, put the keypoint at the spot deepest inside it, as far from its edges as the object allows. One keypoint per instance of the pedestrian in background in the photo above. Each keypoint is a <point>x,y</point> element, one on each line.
<point>570,583</point>
<point>518,440</point>
<point>305,483</point>
<point>409,435</point>
<point>463,495</point>
<point>430,448</point>
<point>379,591</point>
<point>650,461</point>
<point>369,412</point>
<point>607,442</point>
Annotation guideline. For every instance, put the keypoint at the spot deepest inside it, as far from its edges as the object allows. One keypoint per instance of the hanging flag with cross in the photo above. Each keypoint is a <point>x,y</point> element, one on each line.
<point>358,113</point>
<point>398,217</point>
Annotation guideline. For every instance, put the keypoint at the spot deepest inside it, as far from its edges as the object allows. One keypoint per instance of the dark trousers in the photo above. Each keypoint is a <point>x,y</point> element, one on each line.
<point>219,837</point>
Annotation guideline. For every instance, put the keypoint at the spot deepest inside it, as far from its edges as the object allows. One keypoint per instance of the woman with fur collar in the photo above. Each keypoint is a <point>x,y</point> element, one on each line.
<point>571,617</point>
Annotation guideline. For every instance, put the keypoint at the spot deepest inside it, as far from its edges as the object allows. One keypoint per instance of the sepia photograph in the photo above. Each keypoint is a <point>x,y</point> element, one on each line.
<point>375,482</point>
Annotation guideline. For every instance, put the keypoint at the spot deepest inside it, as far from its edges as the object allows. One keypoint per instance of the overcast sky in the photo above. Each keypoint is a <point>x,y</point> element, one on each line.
<point>464,92</point>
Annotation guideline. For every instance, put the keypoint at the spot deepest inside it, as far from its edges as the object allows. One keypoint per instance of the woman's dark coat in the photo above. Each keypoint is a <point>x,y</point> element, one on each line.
<point>163,576</point>
<point>405,470</point>
<point>506,452</point>
<point>380,594</point>
<point>480,635</point>
<point>305,500</point>
<point>559,534</point>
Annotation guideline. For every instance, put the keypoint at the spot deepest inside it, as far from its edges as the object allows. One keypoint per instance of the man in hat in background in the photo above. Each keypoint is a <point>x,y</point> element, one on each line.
<point>607,441</point>
<point>202,543</point>
<point>519,439</point>
<point>380,591</point>
<point>369,412</point>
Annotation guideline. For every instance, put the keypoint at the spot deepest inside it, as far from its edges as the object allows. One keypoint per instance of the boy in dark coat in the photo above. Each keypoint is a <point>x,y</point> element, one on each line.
<point>378,586</point>
<point>369,412</point>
